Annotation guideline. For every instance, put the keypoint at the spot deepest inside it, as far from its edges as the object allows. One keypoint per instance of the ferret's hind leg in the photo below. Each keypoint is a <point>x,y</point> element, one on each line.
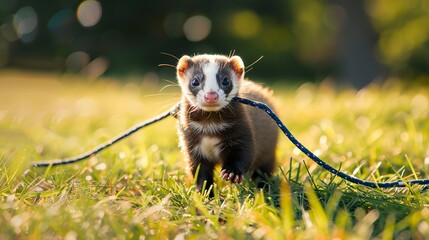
<point>263,171</point>
<point>203,172</point>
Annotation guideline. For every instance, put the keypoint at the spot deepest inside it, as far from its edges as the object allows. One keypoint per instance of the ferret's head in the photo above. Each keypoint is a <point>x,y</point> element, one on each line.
<point>209,82</point>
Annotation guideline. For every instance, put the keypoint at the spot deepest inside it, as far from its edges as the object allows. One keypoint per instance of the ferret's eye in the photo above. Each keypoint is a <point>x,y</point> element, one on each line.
<point>225,82</point>
<point>195,82</point>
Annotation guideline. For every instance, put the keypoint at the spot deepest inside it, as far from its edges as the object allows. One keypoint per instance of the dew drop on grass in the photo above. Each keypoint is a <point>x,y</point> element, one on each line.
<point>142,162</point>
<point>122,155</point>
<point>100,166</point>
<point>296,151</point>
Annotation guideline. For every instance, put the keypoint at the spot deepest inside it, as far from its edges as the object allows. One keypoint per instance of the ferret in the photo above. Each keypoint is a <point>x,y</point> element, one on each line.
<point>213,130</point>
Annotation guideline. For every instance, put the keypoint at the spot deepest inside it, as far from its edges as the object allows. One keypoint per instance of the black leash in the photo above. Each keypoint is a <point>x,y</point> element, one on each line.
<point>263,106</point>
<point>316,159</point>
<point>109,143</point>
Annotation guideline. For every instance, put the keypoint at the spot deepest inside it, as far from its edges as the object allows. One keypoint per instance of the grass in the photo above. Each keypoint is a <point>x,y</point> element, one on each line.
<point>140,188</point>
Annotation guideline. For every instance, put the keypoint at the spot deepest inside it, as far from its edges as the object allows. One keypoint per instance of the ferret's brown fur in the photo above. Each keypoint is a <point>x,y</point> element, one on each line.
<point>238,137</point>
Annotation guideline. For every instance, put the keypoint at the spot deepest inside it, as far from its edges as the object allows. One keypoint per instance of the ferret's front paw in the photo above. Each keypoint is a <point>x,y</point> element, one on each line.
<point>235,176</point>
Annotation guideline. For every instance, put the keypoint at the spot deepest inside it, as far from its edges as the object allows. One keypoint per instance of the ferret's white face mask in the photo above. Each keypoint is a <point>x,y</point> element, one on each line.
<point>210,82</point>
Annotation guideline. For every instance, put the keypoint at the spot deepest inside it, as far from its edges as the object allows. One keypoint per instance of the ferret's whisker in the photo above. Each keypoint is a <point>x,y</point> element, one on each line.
<point>167,86</point>
<point>169,81</point>
<point>161,94</point>
<point>170,55</point>
<point>166,65</point>
<point>231,53</point>
<point>257,60</point>
<point>248,70</point>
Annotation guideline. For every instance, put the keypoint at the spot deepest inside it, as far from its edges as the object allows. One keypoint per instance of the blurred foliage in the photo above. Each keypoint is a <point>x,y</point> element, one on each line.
<point>404,33</point>
<point>298,39</point>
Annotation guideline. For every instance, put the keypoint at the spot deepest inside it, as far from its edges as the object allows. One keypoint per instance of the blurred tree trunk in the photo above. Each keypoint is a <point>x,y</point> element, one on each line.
<point>357,40</point>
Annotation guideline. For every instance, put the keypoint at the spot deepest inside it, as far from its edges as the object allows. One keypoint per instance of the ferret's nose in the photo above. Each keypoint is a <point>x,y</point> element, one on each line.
<point>211,97</point>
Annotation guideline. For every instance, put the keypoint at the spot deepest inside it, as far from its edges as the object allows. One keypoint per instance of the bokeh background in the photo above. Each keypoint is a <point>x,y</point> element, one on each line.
<point>349,42</point>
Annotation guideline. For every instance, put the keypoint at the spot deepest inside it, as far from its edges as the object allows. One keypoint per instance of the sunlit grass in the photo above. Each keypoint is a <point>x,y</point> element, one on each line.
<point>140,188</point>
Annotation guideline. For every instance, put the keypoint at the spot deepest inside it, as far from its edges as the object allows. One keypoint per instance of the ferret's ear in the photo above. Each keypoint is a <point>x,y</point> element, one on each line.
<point>238,66</point>
<point>184,64</point>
